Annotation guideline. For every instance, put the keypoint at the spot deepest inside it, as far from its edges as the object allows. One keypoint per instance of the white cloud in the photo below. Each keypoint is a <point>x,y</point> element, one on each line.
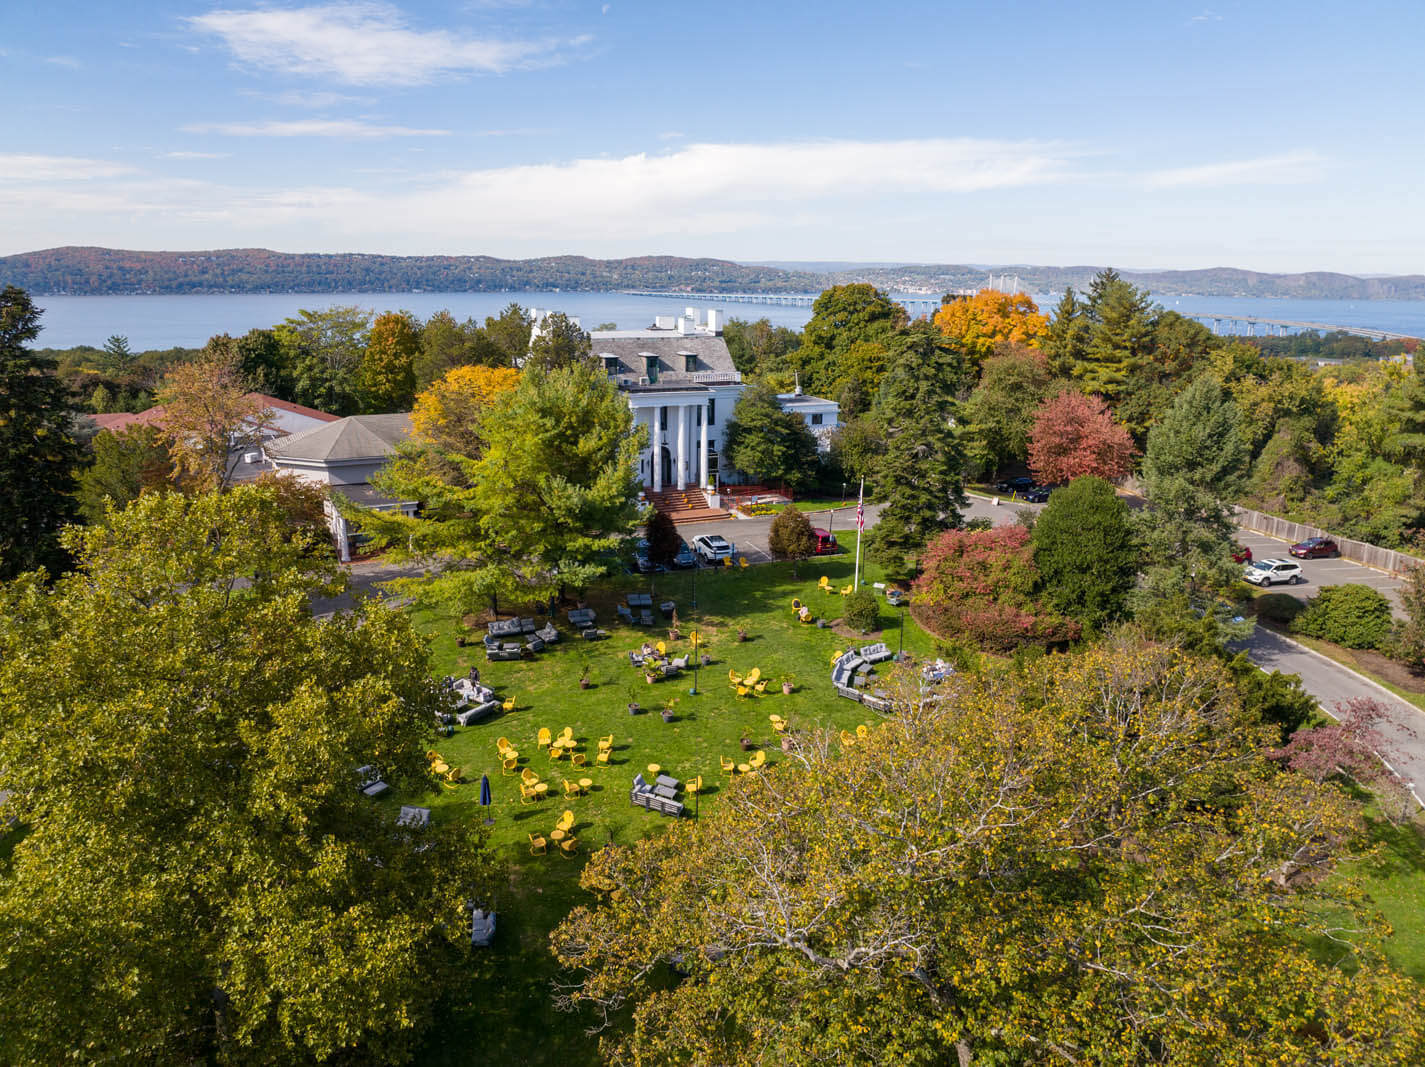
<point>365,44</point>
<point>351,129</point>
<point>1293,168</point>
<point>64,61</point>
<point>195,155</point>
<point>28,168</point>
<point>317,101</point>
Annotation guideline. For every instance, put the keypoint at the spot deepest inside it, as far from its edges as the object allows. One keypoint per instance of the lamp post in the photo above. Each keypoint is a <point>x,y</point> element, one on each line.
<point>900,650</point>
<point>697,661</point>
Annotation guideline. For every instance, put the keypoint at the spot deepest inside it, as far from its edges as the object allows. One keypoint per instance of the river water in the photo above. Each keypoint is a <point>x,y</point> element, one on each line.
<point>188,321</point>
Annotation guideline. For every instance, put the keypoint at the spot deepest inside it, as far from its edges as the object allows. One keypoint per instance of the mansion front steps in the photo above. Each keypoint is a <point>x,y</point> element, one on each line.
<point>684,505</point>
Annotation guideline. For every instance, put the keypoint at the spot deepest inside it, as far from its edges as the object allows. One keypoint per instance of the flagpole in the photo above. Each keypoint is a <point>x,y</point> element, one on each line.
<point>860,522</point>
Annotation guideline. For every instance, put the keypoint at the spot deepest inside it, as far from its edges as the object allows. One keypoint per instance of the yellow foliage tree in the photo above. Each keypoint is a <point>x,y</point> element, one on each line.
<point>208,414</point>
<point>447,414</point>
<point>987,319</point>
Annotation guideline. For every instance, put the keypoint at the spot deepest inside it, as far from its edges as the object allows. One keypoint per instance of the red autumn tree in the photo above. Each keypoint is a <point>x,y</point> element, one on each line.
<point>981,586</point>
<point>1075,435</point>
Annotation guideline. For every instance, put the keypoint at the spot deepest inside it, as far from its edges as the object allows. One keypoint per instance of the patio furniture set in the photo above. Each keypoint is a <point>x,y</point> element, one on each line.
<point>850,671</point>
<point>503,638</point>
<point>582,619</point>
<point>660,796</point>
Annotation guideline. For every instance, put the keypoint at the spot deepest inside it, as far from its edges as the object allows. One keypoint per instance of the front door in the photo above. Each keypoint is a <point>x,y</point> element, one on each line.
<point>669,482</point>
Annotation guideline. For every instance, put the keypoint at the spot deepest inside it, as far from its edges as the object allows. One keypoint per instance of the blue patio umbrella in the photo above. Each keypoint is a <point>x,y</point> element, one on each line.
<point>485,798</point>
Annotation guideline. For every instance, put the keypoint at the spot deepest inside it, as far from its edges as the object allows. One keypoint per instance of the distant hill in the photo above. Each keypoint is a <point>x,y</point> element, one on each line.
<point>258,270</point>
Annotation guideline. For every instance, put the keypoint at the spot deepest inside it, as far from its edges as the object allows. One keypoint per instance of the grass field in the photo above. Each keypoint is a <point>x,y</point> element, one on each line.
<point>513,1021</point>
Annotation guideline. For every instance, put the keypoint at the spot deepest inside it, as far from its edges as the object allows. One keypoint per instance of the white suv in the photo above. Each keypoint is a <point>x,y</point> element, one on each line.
<point>712,547</point>
<point>1265,572</point>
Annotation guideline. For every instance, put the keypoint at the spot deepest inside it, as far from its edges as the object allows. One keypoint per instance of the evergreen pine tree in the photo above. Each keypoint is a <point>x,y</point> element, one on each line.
<point>38,454</point>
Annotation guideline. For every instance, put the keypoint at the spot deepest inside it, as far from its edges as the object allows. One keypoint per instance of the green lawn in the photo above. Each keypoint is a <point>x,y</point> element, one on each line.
<point>512,1019</point>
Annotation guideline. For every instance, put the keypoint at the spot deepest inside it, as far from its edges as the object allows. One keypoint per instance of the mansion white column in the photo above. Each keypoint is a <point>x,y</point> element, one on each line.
<point>655,439</point>
<point>682,446</point>
<point>703,446</point>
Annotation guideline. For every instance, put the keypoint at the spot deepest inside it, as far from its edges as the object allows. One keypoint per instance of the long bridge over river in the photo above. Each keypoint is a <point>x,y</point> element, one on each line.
<point>1232,323</point>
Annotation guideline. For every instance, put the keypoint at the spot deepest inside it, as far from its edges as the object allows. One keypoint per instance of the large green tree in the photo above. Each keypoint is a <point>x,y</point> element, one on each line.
<point>844,339</point>
<point>447,344</point>
<point>1090,860</point>
<point>557,342</point>
<point>38,454</point>
<point>920,476</point>
<point>543,495</point>
<point>125,464</point>
<point>201,879</point>
<point>1086,552</point>
<point>1000,412</point>
<point>323,351</point>
<point>509,331</point>
<point>1194,466</point>
<point>767,444</point>
<point>388,366</point>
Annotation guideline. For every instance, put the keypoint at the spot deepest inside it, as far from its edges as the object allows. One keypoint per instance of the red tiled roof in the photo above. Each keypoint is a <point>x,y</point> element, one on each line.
<point>116,421</point>
<point>297,409</point>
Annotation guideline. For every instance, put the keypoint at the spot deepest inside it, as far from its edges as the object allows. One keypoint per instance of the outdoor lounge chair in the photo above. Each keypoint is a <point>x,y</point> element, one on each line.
<point>569,846</point>
<point>847,738</point>
<point>566,821</point>
<point>849,693</point>
<point>537,845</point>
<point>681,663</point>
<point>571,788</point>
<point>482,927</point>
<point>645,618</point>
<point>727,765</point>
<point>603,756</point>
<point>667,608</point>
<point>528,792</point>
<point>624,614</point>
<point>544,737</point>
<point>413,818</point>
<point>877,653</point>
<point>759,759</point>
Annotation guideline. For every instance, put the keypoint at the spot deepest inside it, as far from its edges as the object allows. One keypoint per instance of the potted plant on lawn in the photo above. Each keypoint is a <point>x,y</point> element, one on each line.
<point>673,633</point>
<point>788,683</point>
<point>632,701</point>
<point>584,677</point>
<point>746,742</point>
<point>741,634</point>
<point>668,706</point>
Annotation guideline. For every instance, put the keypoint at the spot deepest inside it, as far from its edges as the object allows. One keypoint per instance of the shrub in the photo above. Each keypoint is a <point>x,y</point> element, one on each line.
<point>862,610</point>
<point>1085,551</point>
<point>1279,607</point>
<point>1354,616</point>
<point>792,536</point>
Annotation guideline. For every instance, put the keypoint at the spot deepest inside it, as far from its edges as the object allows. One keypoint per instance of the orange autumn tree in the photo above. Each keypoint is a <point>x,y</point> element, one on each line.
<point>1076,435</point>
<point>447,415</point>
<point>987,319</point>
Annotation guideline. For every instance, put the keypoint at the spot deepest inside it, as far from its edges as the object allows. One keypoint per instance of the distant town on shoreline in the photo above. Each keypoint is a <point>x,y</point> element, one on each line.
<point>106,271</point>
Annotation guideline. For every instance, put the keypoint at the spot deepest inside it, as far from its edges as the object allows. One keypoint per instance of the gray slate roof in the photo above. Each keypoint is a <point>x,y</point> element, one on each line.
<point>354,438</point>
<point>709,352</point>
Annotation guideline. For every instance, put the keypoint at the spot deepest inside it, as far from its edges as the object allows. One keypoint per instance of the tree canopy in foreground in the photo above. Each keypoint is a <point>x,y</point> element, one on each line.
<point>200,878</point>
<point>1085,861</point>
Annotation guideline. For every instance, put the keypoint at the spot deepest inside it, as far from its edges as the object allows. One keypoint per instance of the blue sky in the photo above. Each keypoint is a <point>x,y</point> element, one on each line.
<point>1272,135</point>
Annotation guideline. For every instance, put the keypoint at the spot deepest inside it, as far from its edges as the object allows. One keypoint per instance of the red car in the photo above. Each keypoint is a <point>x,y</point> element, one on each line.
<point>1315,548</point>
<point>1241,554</point>
<point>825,541</point>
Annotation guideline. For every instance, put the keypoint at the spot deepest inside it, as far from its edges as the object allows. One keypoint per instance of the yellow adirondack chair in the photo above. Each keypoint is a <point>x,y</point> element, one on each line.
<point>453,775</point>
<point>603,756</point>
<point>578,759</point>
<point>510,766</point>
<point>797,604</point>
<point>727,562</point>
<point>662,648</point>
<point>509,705</point>
<point>606,742</point>
<point>836,656</point>
<point>528,776</point>
<point>847,739</point>
<point>847,590</point>
<point>502,743</point>
<point>727,765</point>
<point>759,758</point>
<point>742,562</point>
<point>569,846</point>
<point>752,675</point>
<point>863,731</point>
<point>537,845</point>
<point>544,737</point>
<point>568,731</point>
<point>528,793</point>
<point>742,690</point>
<point>734,677</point>
<point>571,788</point>
<point>806,616</point>
<point>760,687</point>
<point>694,785</point>
<point>566,821</point>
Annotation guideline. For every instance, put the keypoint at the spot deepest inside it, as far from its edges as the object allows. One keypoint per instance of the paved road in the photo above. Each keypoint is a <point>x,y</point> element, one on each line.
<point>1330,684</point>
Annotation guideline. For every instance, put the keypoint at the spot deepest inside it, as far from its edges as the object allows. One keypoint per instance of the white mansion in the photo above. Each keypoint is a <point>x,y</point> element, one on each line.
<point>681,384</point>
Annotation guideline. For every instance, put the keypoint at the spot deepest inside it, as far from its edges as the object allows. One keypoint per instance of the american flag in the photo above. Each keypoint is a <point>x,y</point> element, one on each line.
<point>860,513</point>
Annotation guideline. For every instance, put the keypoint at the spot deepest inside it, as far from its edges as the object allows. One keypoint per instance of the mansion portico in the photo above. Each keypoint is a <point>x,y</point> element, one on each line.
<point>681,384</point>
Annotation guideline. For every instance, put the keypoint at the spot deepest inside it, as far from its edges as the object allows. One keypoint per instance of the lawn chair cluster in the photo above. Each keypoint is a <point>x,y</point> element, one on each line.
<point>474,702</point>
<point>804,613</point>
<point>450,775</point>
<point>653,659</point>
<point>754,763</point>
<point>848,739</point>
<point>562,835</point>
<point>512,639</point>
<point>582,619</point>
<point>750,684</point>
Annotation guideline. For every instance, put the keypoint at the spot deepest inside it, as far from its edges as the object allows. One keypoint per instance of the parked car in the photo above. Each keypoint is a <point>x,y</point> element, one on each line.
<point>896,597</point>
<point>685,557</point>
<point>1038,494</point>
<point>1268,572</point>
<point>712,547</point>
<point>1014,485</point>
<point>825,541</point>
<point>1241,553</point>
<point>642,561</point>
<point>1315,548</point>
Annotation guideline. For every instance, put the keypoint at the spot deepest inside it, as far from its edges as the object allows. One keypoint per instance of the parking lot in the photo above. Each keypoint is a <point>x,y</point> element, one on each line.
<point>1319,572</point>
